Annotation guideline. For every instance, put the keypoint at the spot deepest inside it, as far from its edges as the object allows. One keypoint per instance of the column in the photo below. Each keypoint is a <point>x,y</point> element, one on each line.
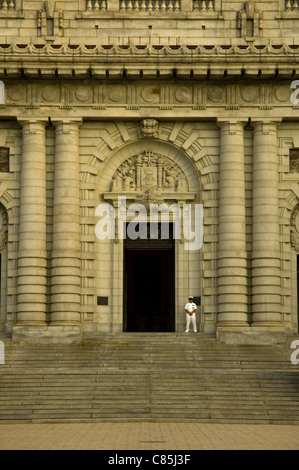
<point>65,281</point>
<point>32,256</point>
<point>266,291</point>
<point>232,259</point>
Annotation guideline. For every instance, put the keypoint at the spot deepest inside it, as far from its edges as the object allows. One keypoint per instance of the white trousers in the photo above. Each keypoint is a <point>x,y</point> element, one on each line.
<point>192,319</point>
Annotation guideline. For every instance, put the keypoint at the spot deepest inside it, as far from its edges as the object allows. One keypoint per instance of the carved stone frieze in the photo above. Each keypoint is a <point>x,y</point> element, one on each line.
<point>132,95</point>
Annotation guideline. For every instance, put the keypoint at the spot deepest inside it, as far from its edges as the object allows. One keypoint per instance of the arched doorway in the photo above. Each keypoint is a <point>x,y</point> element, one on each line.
<point>146,282</point>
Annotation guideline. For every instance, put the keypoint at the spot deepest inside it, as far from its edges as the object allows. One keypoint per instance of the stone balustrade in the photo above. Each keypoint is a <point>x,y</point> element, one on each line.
<point>7,5</point>
<point>203,5</point>
<point>96,5</point>
<point>291,5</point>
<point>156,6</point>
<point>160,6</point>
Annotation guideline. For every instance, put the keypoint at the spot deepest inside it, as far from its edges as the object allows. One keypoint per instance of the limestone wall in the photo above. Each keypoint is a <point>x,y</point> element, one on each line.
<point>143,22</point>
<point>102,146</point>
<point>207,84</point>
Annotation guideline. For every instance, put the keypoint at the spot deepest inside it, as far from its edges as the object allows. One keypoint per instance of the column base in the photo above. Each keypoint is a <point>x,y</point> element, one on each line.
<point>46,334</point>
<point>251,334</point>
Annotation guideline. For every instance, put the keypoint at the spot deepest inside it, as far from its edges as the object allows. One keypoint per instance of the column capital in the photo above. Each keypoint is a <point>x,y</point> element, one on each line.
<point>66,121</point>
<point>32,125</point>
<point>24,120</point>
<point>67,126</point>
<point>231,126</point>
<point>265,126</point>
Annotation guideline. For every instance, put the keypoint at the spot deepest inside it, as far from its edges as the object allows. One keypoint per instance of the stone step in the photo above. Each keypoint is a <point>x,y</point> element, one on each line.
<point>148,377</point>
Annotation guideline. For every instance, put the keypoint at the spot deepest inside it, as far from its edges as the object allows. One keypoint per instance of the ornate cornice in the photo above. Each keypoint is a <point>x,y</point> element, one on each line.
<point>148,50</point>
<point>64,60</point>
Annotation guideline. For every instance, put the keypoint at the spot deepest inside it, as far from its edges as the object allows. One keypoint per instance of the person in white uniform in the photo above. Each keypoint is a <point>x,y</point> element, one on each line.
<point>190,309</point>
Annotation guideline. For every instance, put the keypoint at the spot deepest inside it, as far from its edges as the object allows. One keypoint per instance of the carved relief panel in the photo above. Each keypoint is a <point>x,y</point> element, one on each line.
<point>149,178</point>
<point>149,170</point>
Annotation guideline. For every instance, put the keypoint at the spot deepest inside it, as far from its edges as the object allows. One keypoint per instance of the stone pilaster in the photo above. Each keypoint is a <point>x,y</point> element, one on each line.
<point>266,283</point>
<point>65,281</point>
<point>32,256</point>
<point>232,263</point>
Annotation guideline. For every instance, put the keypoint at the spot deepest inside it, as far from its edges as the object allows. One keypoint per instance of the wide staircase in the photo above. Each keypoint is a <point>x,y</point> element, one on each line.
<point>149,377</point>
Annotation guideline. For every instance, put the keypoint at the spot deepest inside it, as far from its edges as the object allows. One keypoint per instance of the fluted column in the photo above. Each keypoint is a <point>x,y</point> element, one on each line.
<point>232,262</point>
<point>32,256</point>
<point>65,282</point>
<point>266,289</point>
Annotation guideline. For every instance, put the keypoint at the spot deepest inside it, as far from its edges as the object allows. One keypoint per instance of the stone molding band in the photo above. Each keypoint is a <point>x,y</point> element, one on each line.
<point>269,50</point>
<point>95,60</point>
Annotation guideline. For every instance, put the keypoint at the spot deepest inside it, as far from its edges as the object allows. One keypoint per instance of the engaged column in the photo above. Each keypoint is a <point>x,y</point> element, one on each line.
<point>65,281</point>
<point>32,256</point>
<point>232,259</point>
<point>266,290</point>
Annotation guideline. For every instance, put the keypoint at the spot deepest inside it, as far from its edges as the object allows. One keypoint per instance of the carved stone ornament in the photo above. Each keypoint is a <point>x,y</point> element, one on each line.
<point>149,170</point>
<point>295,228</point>
<point>239,19</point>
<point>3,227</point>
<point>149,178</point>
<point>149,127</point>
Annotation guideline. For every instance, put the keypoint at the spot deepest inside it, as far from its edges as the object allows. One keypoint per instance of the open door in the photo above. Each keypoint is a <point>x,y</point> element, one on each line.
<point>149,286</point>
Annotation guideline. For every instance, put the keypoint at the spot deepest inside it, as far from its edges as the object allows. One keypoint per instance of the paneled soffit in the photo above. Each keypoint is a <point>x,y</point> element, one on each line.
<point>51,60</point>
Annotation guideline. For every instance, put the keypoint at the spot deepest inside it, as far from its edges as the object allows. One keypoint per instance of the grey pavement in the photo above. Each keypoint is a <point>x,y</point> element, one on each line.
<point>148,436</point>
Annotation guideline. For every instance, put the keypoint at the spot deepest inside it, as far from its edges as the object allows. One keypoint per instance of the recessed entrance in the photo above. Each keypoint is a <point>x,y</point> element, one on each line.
<point>149,285</point>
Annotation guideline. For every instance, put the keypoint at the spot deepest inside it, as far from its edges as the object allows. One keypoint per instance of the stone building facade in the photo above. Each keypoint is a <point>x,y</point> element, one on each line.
<point>158,101</point>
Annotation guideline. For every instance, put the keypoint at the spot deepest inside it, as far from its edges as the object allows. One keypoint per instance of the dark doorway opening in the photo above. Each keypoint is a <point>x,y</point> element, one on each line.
<point>149,285</point>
